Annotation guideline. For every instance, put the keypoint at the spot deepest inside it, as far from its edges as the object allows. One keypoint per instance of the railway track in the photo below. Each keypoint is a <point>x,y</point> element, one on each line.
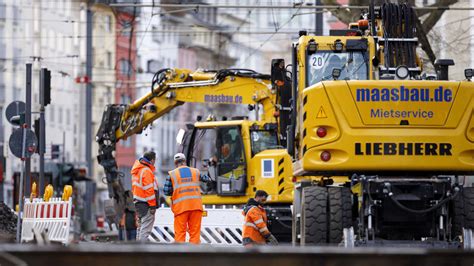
<point>156,254</point>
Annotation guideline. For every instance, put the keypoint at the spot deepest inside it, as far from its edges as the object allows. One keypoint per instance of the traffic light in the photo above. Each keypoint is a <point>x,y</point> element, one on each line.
<point>54,151</point>
<point>45,98</point>
<point>67,174</point>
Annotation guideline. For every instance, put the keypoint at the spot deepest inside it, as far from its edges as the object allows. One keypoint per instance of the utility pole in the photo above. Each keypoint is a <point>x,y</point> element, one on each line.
<point>89,91</point>
<point>318,21</point>
<point>28,122</point>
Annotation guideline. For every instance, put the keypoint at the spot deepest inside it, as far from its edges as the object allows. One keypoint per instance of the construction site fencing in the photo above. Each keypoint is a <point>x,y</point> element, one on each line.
<point>46,219</point>
<point>220,226</point>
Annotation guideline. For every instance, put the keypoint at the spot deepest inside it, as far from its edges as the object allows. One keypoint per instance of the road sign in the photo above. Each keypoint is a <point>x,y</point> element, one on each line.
<point>16,141</point>
<point>15,108</point>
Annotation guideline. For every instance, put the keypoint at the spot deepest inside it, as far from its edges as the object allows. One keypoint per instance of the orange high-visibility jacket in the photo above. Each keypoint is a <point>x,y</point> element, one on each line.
<point>255,225</point>
<point>186,190</point>
<point>143,182</point>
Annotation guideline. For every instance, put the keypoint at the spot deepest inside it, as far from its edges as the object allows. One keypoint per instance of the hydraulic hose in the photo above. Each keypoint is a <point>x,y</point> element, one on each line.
<point>398,22</point>
<point>441,203</point>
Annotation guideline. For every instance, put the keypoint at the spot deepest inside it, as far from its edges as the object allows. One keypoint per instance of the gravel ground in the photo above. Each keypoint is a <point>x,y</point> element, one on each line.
<point>8,221</point>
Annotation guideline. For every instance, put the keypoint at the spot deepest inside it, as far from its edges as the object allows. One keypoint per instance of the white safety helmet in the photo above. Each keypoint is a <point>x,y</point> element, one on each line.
<point>179,157</point>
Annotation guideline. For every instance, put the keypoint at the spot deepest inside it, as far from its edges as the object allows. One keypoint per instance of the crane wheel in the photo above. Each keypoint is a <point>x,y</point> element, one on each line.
<point>340,212</point>
<point>314,222</point>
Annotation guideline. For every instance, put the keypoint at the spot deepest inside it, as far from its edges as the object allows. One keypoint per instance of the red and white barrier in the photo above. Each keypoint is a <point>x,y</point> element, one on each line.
<point>52,218</point>
<point>218,226</point>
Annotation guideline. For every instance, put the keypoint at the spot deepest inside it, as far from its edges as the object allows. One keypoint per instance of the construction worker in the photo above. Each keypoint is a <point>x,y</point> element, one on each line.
<point>145,191</point>
<point>255,231</point>
<point>184,188</point>
<point>129,222</point>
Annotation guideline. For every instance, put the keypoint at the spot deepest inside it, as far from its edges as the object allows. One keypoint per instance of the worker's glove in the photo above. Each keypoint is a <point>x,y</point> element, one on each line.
<point>271,240</point>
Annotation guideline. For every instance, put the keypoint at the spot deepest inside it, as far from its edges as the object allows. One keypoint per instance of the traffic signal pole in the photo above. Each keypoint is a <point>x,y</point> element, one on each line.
<point>28,122</point>
<point>25,162</point>
<point>20,188</point>
<point>44,85</point>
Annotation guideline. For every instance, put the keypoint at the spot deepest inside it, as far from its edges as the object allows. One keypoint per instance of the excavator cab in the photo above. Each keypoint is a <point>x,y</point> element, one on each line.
<point>218,151</point>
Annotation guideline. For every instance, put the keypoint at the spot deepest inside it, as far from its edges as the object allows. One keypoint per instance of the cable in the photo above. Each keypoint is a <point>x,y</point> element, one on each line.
<point>441,203</point>
<point>271,36</point>
<point>146,29</point>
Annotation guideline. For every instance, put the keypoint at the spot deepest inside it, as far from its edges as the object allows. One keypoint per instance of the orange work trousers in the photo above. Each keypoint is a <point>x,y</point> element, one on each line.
<point>188,221</point>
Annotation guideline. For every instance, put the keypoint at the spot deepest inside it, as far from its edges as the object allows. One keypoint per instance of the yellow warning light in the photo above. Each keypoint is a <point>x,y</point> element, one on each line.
<point>321,113</point>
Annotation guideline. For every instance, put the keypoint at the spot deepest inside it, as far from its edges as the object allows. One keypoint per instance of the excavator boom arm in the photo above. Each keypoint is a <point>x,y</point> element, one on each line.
<point>171,88</point>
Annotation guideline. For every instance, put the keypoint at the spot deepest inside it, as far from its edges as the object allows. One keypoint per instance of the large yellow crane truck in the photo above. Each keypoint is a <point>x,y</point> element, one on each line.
<point>240,155</point>
<point>380,151</point>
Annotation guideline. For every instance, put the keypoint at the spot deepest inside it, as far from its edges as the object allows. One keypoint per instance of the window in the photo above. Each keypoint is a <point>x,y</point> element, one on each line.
<point>125,99</point>
<point>109,60</point>
<point>126,28</point>
<point>108,23</point>
<point>125,68</point>
<point>3,7</point>
<point>2,87</point>
<point>153,66</point>
<point>60,114</point>
<point>263,140</point>
<point>51,113</point>
<point>2,92</point>
<point>2,29</point>
<point>223,146</point>
<point>352,65</point>
<point>16,15</point>
<point>155,35</point>
<point>138,63</point>
<point>108,95</point>
<point>16,56</point>
<point>68,117</point>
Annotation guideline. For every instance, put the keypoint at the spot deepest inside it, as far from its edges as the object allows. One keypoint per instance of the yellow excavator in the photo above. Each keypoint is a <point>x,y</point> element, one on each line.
<point>240,155</point>
<point>380,150</point>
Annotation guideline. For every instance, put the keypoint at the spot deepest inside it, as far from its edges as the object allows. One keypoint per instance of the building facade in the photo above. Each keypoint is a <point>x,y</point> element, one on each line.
<point>46,34</point>
<point>103,75</point>
<point>125,75</point>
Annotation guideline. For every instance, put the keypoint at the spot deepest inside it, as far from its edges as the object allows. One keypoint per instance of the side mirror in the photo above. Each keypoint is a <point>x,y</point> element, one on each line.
<point>375,61</point>
<point>469,73</point>
<point>180,136</point>
<point>278,72</point>
<point>336,73</point>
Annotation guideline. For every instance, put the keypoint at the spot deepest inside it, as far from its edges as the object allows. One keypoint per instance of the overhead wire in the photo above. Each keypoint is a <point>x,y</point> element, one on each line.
<point>271,36</point>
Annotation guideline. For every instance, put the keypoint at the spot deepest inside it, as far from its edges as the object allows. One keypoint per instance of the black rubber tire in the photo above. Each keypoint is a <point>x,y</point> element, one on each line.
<point>340,213</point>
<point>463,216</point>
<point>458,215</point>
<point>314,220</point>
<point>468,195</point>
